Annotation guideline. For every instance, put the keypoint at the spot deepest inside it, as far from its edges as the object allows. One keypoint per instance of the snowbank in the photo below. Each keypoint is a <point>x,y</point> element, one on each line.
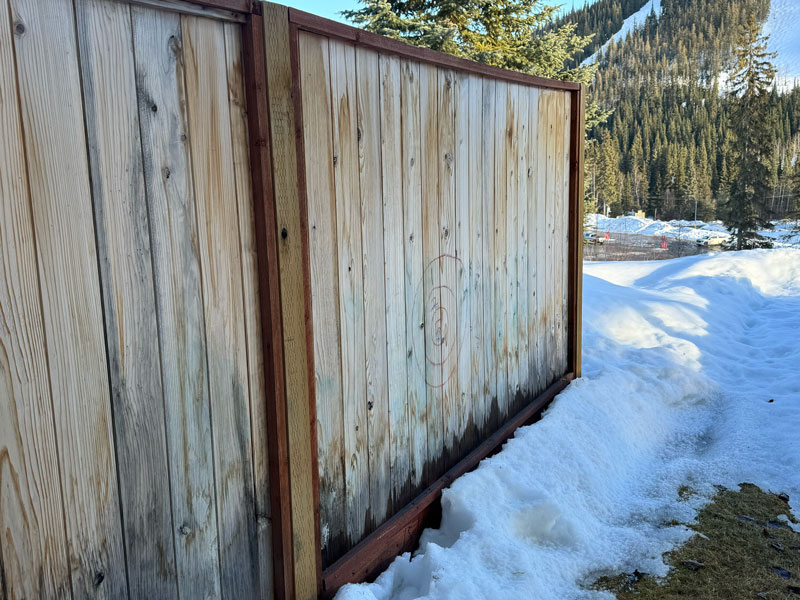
<point>681,359</point>
<point>784,234</point>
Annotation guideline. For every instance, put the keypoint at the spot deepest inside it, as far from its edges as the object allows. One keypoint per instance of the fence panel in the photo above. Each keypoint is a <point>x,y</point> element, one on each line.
<point>132,383</point>
<point>414,174</point>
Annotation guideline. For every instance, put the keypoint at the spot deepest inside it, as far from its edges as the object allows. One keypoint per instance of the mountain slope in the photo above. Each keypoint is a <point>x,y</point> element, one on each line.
<point>668,144</point>
<point>783,27</point>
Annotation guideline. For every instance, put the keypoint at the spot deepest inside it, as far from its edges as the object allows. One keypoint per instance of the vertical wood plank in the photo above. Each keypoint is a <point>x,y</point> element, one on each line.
<point>33,548</point>
<point>50,99</point>
<point>413,240</point>
<point>479,379</point>
<point>318,135</point>
<point>431,234</point>
<point>543,301</point>
<point>370,180</point>
<point>351,289</point>
<point>533,241</point>
<point>565,233</point>
<point>500,281</point>
<point>512,259</point>
<point>252,317</point>
<point>445,323</point>
<point>550,221</point>
<point>489,274</point>
<point>465,421</point>
<point>523,296</point>
<point>392,168</point>
<point>559,230</point>
<point>126,276</point>
<point>220,260</point>
<point>176,269</point>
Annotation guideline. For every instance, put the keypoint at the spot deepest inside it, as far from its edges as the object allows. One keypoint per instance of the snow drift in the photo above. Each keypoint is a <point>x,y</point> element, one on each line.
<point>682,358</point>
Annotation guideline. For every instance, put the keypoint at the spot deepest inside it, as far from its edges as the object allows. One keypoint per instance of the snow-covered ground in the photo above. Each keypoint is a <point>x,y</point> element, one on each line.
<point>690,378</point>
<point>785,233</point>
<point>630,24</point>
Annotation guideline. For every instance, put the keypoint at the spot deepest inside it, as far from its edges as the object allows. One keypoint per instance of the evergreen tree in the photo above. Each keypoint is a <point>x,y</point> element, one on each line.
<point>511,34</point>
<point>753,127</point>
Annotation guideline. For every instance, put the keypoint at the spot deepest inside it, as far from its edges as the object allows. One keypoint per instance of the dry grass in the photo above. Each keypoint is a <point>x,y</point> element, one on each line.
<point>740,543</point>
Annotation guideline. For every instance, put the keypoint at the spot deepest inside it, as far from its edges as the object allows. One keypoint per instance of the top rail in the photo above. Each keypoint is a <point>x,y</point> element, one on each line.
<point>320,25</point>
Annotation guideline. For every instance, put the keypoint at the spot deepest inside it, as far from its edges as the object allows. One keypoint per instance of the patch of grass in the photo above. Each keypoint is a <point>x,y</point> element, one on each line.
<point>740,551</point>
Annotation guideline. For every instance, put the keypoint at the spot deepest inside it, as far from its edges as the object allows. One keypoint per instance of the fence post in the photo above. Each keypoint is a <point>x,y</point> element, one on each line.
<point>291,235</point>
<point>578,118</point>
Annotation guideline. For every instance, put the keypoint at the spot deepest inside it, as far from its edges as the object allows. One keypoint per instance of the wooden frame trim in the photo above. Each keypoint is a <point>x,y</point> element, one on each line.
<point>575,294</point>
<point>297,100</point>
<point>259,136</point>
<point>319,25</point>
<point>402,531</point>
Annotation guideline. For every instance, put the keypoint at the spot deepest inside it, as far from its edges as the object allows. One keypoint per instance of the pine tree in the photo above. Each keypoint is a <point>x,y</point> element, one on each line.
<point>512,34</point>
<point>752,125</point>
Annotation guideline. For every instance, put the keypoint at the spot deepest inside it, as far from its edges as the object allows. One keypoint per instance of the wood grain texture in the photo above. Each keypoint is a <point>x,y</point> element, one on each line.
<point>465,418</point>
<point>473,196</point>
<point>33,548</point>
<point>532,199</point>
<point>252,316</point>
<point>317,135</point>
<point>220,261</point>
<point>489,273</point>
<point>543,298</point>
<point>392,168</point>
<point>523,297</point>
<point>351,286</point>
<point>560,230</point>
<point>126,276</point>
<point>500,280</point>
<point>56,154</point>
<point>565,207</point>
<point>373,259</point>
<point>413,241</point>
<point>294,273</point>
<point>444,324</point>
<point>511,237</point>
<point>455,160</point>
<point>431,360</point>
<point>157,43</point>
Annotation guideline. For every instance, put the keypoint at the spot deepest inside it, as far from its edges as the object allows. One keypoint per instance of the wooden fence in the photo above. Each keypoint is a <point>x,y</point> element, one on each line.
<point>268,283</point>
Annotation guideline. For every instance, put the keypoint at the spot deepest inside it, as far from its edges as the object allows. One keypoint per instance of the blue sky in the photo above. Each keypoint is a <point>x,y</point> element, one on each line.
<point>331,8</point>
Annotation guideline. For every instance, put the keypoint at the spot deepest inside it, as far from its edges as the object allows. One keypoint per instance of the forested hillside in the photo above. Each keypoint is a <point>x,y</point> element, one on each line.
<point>668,146</point>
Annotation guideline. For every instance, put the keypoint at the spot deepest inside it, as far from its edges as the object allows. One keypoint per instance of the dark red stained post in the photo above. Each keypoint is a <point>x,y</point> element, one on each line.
<point>575,299</point>
<point>270,306</point>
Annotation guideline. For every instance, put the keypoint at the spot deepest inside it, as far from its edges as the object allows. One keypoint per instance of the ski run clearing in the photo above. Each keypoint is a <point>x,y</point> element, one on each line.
<point>690,378</point>
<point>784,233</point>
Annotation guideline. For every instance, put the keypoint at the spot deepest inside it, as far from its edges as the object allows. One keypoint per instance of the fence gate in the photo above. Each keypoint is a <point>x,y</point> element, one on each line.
<point>133,447</point>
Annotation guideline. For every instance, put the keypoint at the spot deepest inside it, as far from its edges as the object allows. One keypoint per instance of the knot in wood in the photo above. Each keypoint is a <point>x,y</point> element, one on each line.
<point>98,578</point>
<point>284,233</point>
<point>19,28</point>
<point>184,529</point>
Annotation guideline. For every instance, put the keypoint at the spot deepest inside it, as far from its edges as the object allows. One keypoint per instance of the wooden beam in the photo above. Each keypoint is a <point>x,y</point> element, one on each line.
<point>291,225</point>
<point>359,37</point>
<point>401,532</point>
<point>269,295</point>
<point>575,298</point>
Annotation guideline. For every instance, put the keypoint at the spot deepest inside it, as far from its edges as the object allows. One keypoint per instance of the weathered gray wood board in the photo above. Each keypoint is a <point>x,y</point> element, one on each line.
<point>133,455</point>
<point>437,230</point>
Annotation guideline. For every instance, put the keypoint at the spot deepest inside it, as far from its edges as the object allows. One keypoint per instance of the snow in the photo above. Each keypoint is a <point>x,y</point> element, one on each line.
<point>784,234</point>
<point>681,359</point>
<point>629,25</point>
<point>782,27</point>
